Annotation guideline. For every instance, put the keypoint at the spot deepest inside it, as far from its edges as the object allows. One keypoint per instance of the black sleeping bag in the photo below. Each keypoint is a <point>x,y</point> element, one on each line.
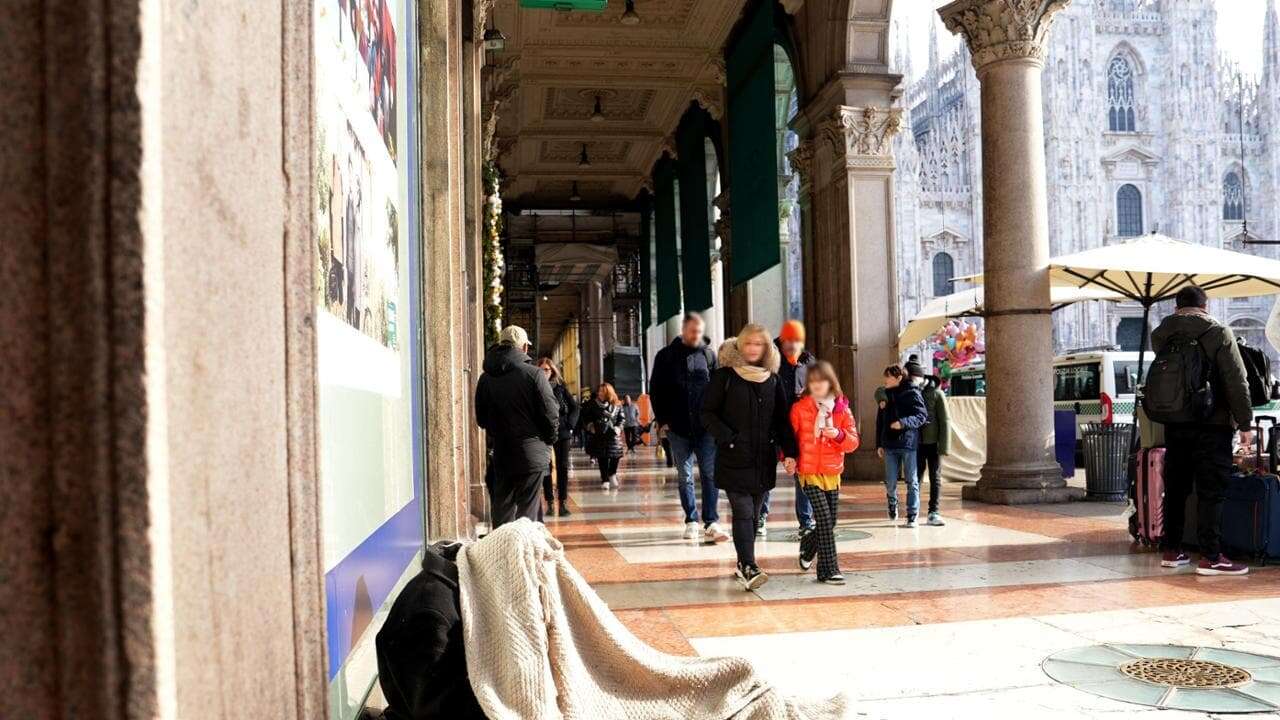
<point>421,663</point>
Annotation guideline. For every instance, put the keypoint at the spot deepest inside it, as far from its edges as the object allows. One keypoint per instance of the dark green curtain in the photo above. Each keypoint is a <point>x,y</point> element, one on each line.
<point>664,219</point>
<point>695,235</point>
<point>753,182</point>
<point>646,254</point>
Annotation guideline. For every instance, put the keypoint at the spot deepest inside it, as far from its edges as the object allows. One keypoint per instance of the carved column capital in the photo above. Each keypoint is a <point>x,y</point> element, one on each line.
<point>710,101</point>
<point>863,137</point>
<point>801,160</point>
<point>998,30</point>
<point>668,147</point>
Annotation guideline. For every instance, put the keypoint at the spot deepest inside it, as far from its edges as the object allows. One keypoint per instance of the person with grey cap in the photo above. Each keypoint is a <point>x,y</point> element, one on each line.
<point>520,416</point>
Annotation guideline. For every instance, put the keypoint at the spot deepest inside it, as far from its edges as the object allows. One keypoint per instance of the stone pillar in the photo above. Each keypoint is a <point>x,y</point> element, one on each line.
<point>737,300</point>
<point>1008,39</point>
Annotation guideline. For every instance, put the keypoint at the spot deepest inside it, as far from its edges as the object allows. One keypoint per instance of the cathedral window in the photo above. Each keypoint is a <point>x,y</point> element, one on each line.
<point>1120,96</point>
<point>1232,197</point>
<point>944,273</point>
<point>1128,211</point>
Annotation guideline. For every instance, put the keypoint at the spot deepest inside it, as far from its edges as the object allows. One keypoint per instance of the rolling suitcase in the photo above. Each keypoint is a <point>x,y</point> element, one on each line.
<point>1251,508</point>
<point>1146,525</point>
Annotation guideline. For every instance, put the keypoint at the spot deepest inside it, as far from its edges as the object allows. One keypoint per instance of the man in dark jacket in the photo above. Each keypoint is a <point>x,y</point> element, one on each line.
<point>935,438</point>
<point>793,373</point>
<point>680,374</point>
<point>520,415</point>
<point>1199,454</point>
<point>898,426</point>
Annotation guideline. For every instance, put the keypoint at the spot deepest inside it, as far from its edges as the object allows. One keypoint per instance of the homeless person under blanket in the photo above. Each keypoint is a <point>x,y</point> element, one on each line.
<point>541,645</point>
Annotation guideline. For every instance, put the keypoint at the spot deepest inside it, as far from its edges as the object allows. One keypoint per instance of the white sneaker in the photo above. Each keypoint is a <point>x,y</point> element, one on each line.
<point>713,533</point>
<point>604,485</point>
<point>691,531</point>
<point>614,480</point>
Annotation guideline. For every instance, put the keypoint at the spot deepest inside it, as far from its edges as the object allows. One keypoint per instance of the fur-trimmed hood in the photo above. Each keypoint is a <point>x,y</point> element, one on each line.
<point>730,356</point>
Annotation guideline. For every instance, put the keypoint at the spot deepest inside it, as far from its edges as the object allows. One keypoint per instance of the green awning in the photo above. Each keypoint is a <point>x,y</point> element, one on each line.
<point>695,210</point>
<point>664,219</point>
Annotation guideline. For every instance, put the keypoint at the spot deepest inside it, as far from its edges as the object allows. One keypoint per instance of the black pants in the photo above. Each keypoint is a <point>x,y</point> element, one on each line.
<point>927,459</point>
<point>608,467</point>
<point>821,541</point>
<point>561,448</point>
<point>513,495</point>
<point>1199,457</point>
<point>746,508</point>
<point>632,435</point>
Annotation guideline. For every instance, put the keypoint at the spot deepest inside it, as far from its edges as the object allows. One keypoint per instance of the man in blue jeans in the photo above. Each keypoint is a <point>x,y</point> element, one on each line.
<point>898,424</point>
<point>680,374</point>
<point>793,373</point>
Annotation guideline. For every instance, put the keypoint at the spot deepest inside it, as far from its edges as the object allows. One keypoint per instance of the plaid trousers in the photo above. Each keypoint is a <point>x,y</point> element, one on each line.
<point>821,541</point>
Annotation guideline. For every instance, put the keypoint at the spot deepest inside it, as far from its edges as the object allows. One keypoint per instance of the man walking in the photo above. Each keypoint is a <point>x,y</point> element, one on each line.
<point>1198,453</point>
<point>680,374</point>
<point>935,437</point>
<point>793,372</point>
<point>520,415</point>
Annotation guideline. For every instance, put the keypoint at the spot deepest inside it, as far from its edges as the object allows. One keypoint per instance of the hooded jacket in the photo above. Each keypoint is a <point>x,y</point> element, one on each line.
<point>1229,381</point>
<point>750,422</point>
<point>905,405</point>
<point>795,376</point>
<point>938,430</point>
<point>518,411</point>
<point>679,378</point>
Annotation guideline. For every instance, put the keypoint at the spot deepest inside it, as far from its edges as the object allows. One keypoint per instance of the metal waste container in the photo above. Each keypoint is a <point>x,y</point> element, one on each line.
<point>1106,455</point>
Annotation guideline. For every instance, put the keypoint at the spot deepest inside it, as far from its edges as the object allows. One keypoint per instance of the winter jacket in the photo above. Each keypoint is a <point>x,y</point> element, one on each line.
<point>938,430</point>
<point>604,422</point>
<point>422,664</point>
<point>630,415</point>
<point>569,410</point>
<point>905,405</point>
<point>679,378</point>
<point>1231,405</point>
<point>750,422</point>
<point>518,411</point>
<point>821,455</point>
<point>794,377</point>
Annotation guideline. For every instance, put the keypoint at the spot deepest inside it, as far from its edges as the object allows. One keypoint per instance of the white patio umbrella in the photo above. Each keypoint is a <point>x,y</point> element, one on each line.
<point>968,303</point>
<point>1152,268</point>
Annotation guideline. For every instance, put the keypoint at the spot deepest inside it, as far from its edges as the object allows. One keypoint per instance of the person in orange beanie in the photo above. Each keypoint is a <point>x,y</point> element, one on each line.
<point>796,362</point>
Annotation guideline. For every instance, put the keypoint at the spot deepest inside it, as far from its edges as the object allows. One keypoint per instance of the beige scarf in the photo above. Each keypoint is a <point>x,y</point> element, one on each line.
<point>752,373</point>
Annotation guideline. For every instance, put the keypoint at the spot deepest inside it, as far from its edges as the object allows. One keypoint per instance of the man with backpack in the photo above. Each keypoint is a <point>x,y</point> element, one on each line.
<point>1197,386</point>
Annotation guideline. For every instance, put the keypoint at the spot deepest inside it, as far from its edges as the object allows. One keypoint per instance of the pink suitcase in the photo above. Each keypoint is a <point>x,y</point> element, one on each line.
<point>1148,497</point>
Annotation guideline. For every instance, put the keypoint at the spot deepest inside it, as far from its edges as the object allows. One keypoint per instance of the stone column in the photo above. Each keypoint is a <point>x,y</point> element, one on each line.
<point>1008,39</point>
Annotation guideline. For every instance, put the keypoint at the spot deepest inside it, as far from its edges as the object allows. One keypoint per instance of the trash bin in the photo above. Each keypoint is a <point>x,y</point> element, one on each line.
<point>1106,455</point>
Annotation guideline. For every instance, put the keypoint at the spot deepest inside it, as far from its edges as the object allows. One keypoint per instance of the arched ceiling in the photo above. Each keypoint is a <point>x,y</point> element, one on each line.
<point>556,63</point>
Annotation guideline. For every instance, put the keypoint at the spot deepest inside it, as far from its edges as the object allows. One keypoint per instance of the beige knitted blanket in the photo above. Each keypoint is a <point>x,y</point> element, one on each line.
<point>541,645</point>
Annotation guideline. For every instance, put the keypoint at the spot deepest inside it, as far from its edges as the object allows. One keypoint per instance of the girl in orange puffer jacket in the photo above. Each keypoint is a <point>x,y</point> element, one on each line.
<point>825,432</point>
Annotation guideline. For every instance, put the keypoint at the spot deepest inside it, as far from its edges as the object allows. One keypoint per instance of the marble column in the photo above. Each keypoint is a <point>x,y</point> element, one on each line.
<point>1008,39</point>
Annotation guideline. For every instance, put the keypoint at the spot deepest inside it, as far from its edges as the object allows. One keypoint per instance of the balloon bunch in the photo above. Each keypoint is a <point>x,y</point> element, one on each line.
<point>956,345</point>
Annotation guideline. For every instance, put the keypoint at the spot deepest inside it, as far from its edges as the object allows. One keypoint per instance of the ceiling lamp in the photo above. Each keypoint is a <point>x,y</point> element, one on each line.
<point>583,160</point>
<point>629,17</point>
<point>573,194</point>
<point>597,115</point>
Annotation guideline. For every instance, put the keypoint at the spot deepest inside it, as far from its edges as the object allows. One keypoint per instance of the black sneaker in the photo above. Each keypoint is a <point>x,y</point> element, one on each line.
<point>806,559</point>
<point>751,577</point>
<point>893,513</point>
<point>564,511</point>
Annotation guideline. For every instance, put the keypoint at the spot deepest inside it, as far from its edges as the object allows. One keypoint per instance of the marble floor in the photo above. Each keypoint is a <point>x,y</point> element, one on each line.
<point>935,622</point>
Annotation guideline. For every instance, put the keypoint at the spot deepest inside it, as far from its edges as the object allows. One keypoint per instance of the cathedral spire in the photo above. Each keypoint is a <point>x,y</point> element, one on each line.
<point>1271,45</point>
<point>933,42</point>
<point>902,49</point>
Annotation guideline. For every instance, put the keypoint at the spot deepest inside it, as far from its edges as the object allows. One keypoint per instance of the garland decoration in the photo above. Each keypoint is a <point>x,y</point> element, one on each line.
<point>491,255</point>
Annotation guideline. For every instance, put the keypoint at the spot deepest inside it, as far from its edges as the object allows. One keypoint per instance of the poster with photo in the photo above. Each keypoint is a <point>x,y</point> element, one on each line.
<point>366,38</point>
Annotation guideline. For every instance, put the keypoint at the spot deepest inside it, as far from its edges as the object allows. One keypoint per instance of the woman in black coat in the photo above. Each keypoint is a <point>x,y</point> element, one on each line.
<point>569,409</point>
<point>745,409</point>
<point>603,420</point>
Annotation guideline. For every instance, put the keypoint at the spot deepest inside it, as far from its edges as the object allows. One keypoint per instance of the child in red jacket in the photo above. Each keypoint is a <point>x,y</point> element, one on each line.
<point>825,432</point>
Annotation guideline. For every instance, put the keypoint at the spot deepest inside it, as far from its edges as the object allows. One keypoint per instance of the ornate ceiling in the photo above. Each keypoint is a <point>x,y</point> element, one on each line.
<point>554,66</point>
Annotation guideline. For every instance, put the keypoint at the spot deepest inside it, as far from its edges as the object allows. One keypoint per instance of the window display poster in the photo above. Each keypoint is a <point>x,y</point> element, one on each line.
<point>366,272</point>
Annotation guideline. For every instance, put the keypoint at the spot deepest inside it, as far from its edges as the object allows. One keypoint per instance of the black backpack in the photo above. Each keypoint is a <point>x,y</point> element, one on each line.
<point>1257,368</point>
<point>1179,386</point>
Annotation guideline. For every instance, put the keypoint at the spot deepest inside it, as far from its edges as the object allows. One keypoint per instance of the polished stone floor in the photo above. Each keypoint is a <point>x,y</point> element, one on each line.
<point>949,622</point>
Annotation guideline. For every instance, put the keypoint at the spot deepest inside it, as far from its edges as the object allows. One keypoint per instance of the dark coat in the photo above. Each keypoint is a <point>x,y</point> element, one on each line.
<point>569,410</point>
<point>422,664</point>
<point>1230,382</point>
<point>903,404</point>
<point>750,421</point>
<point>794,377</point>
<point>677,383</point>
<point>605,424</point>
<point>515,406</point>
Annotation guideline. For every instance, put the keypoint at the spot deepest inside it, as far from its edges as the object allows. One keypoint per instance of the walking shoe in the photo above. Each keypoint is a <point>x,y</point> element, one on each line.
<point>760,529</point>
<point>935,519</point>
<point>604,485</point>
<point>751,576</point>
<point>806,559</point>
<point>1174,558</point>
<point>893,513</point>
<point>691,531</point>
<point>1221,565</point>
<point>713,533</point>
<point>910,523</point>
<point>836,579</point>
<point>614,479</point>
<point>564,510</point>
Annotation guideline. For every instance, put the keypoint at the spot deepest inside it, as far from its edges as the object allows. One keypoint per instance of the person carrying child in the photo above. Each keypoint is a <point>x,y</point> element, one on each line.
<point>825,432</point>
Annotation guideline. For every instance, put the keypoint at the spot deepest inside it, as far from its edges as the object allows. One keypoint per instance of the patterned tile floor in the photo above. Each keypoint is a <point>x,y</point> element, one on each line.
<point>950,622</point>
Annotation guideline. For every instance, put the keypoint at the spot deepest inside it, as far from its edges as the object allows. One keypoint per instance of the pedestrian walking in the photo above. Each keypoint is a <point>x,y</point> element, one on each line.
<point>1198,445</point>
<point>603,418</point>
<point>568,420</point>
<point>520,416</point>
<point>898,424</point>
<point>681,371</point>
<point>747,414</point>
<point>631,422</point>
<point>792,370</point>
<point>825,432</point>
<point>935,438</point>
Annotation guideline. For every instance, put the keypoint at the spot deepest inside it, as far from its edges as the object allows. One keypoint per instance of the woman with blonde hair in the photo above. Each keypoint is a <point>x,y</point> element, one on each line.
<point>603,419</point>
<point>745,409</point>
